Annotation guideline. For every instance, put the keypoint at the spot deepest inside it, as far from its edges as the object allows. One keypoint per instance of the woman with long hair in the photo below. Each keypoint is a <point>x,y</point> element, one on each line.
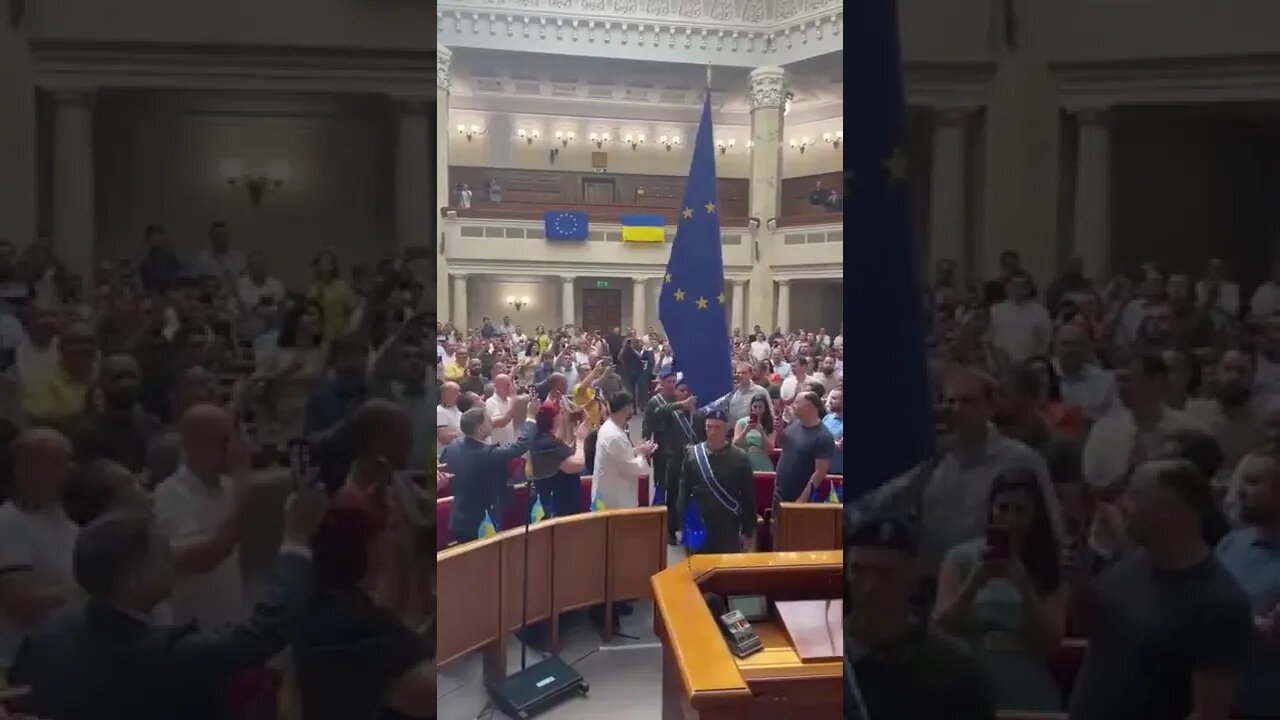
<point>754,435</point>
<point>1003,595</point>
<point>334,295</point>
<point>296,366</point>
<point>1064,419</point>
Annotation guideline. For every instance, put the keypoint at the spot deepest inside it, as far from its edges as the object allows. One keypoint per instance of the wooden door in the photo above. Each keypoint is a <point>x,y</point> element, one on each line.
<point>601,309</point>
<point>598,192</point>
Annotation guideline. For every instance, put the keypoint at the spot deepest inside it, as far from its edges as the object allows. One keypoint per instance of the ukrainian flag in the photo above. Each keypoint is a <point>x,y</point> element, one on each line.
<point>643,228</point>
<point>487,529</point>
<point>597,505</point>
<point>832,495</point>
<point>537,512</point>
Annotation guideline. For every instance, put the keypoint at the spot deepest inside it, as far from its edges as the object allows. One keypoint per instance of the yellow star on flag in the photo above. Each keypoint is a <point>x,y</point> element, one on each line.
<point>896,165</point>
<point>711,207</point>
<point>687,213</point>
<point>679,295</point>
<point>720,297</point>
<point>702,303</point>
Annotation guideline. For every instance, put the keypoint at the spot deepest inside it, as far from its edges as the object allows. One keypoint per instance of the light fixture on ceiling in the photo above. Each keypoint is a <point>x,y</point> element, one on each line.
<point>599,139</point>
<point>634,141</point>
<point>564,137</point>
<point>725,145</point>
<point>468,131</point>
<point>517,302</point>
<point>801,144</point>
<point>529,136</point>
<point>833,139</point>
<point>669,142</point>
<point>257,184</point>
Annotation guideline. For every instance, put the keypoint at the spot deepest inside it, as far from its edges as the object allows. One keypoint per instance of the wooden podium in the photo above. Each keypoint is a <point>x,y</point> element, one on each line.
<point>702,680</point>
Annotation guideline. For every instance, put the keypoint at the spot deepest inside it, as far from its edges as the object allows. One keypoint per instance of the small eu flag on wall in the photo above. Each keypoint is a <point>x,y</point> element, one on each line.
<point>565,225</point>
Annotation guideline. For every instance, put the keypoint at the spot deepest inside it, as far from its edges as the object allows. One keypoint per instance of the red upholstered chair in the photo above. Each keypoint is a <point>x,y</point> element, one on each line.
<point>444,535</point>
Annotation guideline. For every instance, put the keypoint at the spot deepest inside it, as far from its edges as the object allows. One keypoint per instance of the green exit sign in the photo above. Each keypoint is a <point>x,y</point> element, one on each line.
<point>602,283</point>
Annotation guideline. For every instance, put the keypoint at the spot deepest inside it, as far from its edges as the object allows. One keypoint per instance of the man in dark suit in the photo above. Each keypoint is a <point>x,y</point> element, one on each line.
<point>635,376</point>
<point>108,662</point>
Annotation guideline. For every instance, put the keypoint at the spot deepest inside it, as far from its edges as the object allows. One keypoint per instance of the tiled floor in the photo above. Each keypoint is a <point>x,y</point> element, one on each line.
<point>625,676</point>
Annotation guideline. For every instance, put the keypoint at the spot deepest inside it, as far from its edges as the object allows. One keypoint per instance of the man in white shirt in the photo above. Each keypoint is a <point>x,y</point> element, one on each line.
<point>502,410</point>
<point>1129,330</point>
<point>220,260</point>
<point>759,348</point>
<point>1082,383</point>
<point>259,298</point>
<point>619,463</point>
<point>1020,326</point>
<point>201,510</point>
<point>795,382</point>
<point>448,416</point>
<point>36,540</point>
<point>1217,294</point>
<point>1266,299</point>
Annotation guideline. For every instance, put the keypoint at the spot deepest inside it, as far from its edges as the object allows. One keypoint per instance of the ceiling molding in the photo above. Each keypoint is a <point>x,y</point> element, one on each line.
<point>82,66</point>
<point>1092,86</point>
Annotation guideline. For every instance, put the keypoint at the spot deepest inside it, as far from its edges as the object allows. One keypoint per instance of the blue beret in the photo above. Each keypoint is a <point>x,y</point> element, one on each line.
<point>882,531</point>
<point>717,414</point>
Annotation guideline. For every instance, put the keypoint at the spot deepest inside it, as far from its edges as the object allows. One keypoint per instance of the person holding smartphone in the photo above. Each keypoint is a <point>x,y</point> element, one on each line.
<point>754,435</point>
<point>1003,594</point>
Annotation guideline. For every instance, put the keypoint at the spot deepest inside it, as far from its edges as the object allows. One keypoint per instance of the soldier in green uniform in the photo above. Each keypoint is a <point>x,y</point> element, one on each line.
<point>653,427</point>
<point>674,430</point>
<point>719,481</point>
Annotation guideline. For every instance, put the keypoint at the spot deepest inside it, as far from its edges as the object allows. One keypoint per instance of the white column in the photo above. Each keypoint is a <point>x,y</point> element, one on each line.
<point>413,178</point>
<point>739,305</point>
<point>460,302</point>
<point>766,97</point>
<point>1093,193</point>
<point>566,299</point>
<point>947,192</point>
<point>73,178</point>
<point>638,289</point>
<point>443,58</point>
<point>784,305</point>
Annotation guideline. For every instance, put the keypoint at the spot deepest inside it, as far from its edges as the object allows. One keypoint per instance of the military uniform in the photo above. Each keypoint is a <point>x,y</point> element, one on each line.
<point>673,431</point>
<point>722,484</point>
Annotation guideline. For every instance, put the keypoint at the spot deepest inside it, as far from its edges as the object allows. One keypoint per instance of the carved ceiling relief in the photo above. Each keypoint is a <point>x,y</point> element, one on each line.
<point>658,8</point>
<point>723,10</point>
<point>753,11</point>
<point>691,8</point>
<point>626,7</point>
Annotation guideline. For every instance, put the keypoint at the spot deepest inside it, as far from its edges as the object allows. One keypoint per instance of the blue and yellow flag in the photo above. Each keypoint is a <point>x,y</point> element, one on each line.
<point>597,505</point>
<point>643,228</point>
<point>832,495</point>
<point>537,512</point>
<point>692,304</point>
<point>896,432</point>
<point>487,529</point>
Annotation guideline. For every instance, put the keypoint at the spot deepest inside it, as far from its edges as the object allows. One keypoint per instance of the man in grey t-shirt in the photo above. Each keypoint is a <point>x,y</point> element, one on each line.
<point>1169,630</point>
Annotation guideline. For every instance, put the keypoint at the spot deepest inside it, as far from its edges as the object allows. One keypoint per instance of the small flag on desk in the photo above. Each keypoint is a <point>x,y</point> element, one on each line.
<point>597,505</point>
<point>537,512</point>
<point>643,228</point>
<point>487,529</point>
<point>565,225</point>
<point>833,496</point>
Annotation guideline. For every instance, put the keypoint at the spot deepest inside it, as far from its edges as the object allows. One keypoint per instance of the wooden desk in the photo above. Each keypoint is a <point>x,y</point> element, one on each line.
<point>702,680</point>
<point>574,562</point>
<point>809,526</point>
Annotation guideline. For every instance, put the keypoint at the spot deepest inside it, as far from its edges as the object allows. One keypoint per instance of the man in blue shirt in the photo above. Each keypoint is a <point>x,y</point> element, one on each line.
<point>807,448</point>
<point>480,471</point>
<point>1252,555</point>
<point>834,420</point>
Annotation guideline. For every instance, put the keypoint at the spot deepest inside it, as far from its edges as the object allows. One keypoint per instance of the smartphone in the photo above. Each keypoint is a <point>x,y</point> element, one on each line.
<point>299,461</point>
<point>755,418</point>
<point>997,544</point>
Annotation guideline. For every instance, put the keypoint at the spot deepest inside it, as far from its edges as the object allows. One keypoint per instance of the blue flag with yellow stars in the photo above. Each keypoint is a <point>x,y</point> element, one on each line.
<point>692,306</point>
<point>893,430</point>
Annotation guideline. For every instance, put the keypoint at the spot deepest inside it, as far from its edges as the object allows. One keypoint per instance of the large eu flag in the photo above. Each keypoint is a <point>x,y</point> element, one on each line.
<point>692,305</point>
<point>890,428</point>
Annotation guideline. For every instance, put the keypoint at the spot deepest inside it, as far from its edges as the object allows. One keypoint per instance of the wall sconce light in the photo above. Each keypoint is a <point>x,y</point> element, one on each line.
<point>725,145</point>
<point>599,139</point>
<point>634,141</point>
<point>528,135</point>
<point>517,302</point>
<point>564,138</point>
<point>801,144</point>
<point>275,177</point>
<point>833,140</point>
<point>669,142</point>
<point>751,144</point>
<point>468,132</point>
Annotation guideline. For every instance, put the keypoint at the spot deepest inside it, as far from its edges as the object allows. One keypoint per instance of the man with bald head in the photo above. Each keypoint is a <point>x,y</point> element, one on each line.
<point>502,412</point>
<point>448,416</point>
<point>56,396</point>
<point>201,509</point>
<point>1083,383</point>
<point>119,429</point>
<point>36,539</point>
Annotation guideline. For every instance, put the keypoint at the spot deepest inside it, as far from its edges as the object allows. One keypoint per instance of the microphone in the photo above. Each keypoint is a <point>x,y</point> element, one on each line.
<point>737,632</point>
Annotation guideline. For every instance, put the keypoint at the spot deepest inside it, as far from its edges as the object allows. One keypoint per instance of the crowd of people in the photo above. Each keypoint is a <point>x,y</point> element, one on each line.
<point>553,405</point>
<point>217,490</point>
<point>1106,479</point>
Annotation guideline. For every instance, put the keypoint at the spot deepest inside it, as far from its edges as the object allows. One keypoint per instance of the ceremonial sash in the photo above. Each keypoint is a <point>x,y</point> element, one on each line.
<point>681,420</point>
<point>724,497</point>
